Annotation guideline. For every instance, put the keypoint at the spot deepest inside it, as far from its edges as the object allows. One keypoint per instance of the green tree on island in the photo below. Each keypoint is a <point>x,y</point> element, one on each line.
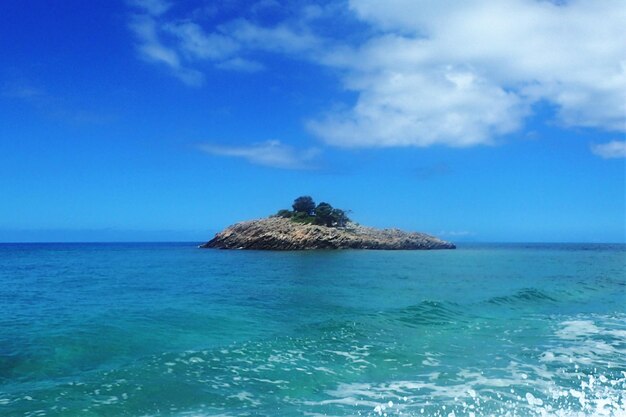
<point>305,211</point>
<point>304,204</point>
<point>340,218</point>
<point>324,214</point>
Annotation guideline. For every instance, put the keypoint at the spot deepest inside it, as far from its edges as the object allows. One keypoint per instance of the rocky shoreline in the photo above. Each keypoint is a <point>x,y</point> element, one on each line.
<point>275,233</point>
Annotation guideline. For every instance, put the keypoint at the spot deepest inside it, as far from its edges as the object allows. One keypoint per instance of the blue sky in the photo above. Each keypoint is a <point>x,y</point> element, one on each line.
<point>154,120</point>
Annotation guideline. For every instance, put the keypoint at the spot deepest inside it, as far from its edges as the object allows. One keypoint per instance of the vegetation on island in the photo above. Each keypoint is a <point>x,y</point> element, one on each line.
<point>323,214</point>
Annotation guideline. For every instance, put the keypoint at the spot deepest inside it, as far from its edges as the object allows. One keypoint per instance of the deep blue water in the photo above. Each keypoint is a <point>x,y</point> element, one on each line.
<point>172,330</point>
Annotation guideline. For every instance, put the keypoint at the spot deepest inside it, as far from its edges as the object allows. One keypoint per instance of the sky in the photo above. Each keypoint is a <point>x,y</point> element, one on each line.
<point>154,120</point>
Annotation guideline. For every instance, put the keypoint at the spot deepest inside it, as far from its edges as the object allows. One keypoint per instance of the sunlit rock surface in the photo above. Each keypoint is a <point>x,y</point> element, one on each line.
<point>277,233</point>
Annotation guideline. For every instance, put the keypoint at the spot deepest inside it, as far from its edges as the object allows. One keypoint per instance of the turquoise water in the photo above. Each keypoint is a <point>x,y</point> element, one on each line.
<point>171,330</point>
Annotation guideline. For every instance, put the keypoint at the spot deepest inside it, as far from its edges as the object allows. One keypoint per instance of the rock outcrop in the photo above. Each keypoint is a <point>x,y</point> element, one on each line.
<point>277,233</point>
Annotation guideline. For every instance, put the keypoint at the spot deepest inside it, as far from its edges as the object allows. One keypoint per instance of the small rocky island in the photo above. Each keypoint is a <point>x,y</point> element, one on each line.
<point>310,226</point>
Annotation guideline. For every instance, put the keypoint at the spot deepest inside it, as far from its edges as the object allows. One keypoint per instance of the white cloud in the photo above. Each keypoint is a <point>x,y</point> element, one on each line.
<point>463,73</point>
<point>197,44</point>
<point>613,149</point>
<point>152,49</point>
<point>448,107</point>
<point>271,153</point>
<point>152,7</point>
<point>280,38</point>
<point>182,45</point>
<point>240,64</point>
<point>427,73</point>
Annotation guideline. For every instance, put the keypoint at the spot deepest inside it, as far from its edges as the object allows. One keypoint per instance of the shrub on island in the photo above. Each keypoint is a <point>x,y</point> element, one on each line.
<point>284,213</point>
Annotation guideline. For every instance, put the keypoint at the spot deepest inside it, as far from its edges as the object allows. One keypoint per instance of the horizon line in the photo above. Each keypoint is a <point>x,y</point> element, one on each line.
<point>521,242</point>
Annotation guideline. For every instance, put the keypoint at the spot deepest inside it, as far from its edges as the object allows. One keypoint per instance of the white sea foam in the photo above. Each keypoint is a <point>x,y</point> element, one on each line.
<point>575,372</point>
<point>246,396</point>
<point>555,386</point>
<point>573,329</point>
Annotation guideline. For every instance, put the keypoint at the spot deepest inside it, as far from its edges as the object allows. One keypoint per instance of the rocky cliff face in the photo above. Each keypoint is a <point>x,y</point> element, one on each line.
<point>276,233</point>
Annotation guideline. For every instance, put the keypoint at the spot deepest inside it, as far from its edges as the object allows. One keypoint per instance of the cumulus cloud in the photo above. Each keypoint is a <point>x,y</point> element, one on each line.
<point>426,73</point>
<point>271,153</point>
<point>463,73</point>
<point>447,106</point>
<point>610,150</point>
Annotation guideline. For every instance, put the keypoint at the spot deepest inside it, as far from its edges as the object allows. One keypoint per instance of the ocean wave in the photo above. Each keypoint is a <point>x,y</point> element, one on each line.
<point>342,368</point>
<point>428,313</point>
<point>523,297</point>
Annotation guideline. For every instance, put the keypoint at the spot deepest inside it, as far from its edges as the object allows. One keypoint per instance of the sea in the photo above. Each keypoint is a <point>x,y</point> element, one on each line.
<point>167,329</point>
